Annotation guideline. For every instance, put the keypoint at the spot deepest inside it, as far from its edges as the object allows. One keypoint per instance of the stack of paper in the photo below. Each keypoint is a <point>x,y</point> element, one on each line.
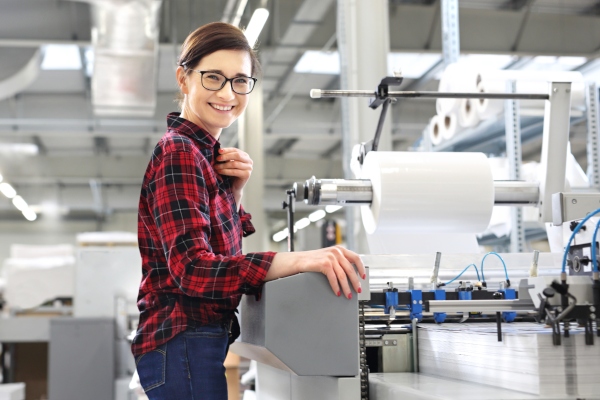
<point>525,359</point>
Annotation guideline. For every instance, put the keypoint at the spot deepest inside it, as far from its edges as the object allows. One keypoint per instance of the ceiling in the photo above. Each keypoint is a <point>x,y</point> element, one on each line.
<point>91,166</point>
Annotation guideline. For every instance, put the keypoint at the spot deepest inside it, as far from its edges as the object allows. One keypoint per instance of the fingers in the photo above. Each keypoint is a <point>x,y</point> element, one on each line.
<point>340,271</point>
<point>233,154</point>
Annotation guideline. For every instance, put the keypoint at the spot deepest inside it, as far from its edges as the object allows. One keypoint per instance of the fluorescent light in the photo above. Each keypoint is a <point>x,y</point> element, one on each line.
<point>61,57</point>
<point>7,190</point>
<point>281,235</point>
<point>89,54</point>
<point>301,224</point>
<point>29,214</point>
<point>19,203</point>
<point>317,215</point>
<point>318,62</point>
<point>258,20</point>
<point>29,149</point>
<point>332,209</point>
<point>412,65</point>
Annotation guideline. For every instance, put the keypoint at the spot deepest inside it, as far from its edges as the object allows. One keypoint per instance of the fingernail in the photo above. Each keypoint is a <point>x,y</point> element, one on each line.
<point>349,296</point>
<point>359,290</point>
<point>364,276</point>
<point>220,150</point>
<point>339,293</point>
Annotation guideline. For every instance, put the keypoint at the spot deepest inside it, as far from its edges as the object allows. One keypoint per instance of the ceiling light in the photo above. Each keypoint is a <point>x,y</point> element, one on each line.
<point>19,203</point>
<point>29,149</point>
<point>29,214</point>
<point>7,190</point>
<point>317,215</point>
<point>281,235</point>
<point>318,62</point>
<point>332,209</point>
<point>256,24</point>
<point>301,224</point>
<point>61,57</point>
<point>1,178</point>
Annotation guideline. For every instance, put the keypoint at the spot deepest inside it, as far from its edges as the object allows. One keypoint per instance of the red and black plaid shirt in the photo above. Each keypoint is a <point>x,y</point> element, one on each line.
<point>190,239</point>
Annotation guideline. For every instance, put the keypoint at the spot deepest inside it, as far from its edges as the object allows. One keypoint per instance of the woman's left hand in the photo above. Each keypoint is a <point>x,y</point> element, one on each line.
<point>237,164</point>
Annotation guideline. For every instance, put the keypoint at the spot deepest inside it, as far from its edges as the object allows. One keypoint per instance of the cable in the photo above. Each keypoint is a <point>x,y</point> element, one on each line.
<point>594,255</point>
<point>463,271</point>
<point>577,228</point>
<point>503,264</point>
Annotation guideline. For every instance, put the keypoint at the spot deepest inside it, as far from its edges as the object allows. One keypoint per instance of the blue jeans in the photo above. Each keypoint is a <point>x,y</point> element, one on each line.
<point>187,367</point>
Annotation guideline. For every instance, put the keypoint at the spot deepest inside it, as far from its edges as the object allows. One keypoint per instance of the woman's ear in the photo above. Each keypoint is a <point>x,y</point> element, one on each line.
<point>182,80</point>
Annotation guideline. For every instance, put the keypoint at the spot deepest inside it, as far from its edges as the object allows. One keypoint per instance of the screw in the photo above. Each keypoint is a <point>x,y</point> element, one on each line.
<point>395,342</point>
<point>555,90</point>
<point>386,342</point>
<point>592,316</point>
<point>592,309</point>
<point>420,301</point>
<point>574,201</point>
<point>414,302</point>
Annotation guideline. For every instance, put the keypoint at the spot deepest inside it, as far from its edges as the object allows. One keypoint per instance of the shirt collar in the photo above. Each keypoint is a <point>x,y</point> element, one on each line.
<point>188,128</point>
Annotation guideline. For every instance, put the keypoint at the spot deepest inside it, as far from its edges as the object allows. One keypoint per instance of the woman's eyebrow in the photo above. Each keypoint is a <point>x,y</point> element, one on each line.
<point>222,73</point>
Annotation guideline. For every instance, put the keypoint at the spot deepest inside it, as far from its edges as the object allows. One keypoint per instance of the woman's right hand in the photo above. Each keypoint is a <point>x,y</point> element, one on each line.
<point>336,263</point>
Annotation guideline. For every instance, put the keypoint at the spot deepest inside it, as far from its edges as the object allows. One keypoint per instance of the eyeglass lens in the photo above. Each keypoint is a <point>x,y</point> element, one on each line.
<point>215,81</point>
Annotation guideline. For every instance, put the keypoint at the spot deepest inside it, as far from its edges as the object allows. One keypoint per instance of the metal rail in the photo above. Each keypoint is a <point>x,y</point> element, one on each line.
<point>318,93</point>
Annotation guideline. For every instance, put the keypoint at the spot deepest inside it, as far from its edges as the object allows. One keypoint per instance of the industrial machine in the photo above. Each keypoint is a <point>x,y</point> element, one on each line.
<point>524,326</point>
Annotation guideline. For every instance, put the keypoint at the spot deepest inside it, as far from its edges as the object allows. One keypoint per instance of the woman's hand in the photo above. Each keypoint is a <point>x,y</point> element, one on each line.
<point>333,262</point>
<point>238,164</point>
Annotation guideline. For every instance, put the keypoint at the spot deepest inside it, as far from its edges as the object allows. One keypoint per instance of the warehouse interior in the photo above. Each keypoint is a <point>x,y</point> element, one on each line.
<point>85,88</point>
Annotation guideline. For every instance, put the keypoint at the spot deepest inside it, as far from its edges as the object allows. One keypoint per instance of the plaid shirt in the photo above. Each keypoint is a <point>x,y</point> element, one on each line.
<point>190,239</point>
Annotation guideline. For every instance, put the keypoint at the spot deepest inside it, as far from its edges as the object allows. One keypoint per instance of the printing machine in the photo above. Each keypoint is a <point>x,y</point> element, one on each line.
<point>312,345</point>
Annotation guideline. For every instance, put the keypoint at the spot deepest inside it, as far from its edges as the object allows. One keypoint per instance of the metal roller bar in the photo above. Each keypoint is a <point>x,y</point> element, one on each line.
<point>360,191</point>
<point>318,93</point>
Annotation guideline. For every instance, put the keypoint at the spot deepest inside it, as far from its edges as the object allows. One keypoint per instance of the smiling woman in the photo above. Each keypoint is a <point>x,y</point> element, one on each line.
<point>191,223</point>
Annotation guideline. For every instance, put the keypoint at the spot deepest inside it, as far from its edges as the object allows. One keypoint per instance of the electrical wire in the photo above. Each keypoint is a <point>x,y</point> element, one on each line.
<point>503,264</point>
<point>577,228</point>
<point>594,254</point>
<point>463,271</point>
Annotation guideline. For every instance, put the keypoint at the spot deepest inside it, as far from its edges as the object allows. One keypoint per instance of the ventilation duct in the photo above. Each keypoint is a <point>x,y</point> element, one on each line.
<point>125,41</point>
<point>21,79</point>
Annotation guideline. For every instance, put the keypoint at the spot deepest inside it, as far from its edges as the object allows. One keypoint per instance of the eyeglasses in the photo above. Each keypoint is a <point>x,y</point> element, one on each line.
<point>215,81</point>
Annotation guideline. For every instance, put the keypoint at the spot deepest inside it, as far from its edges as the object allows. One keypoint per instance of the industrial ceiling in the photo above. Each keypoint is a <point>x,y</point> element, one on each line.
<point>63,149</point>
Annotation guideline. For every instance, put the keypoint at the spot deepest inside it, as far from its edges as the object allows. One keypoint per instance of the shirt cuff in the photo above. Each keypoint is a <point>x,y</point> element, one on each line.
<point>247,227</point>
<point>256,272</point>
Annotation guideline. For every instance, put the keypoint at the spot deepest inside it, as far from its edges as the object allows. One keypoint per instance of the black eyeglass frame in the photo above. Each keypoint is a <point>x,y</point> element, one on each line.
<point>225,81</point>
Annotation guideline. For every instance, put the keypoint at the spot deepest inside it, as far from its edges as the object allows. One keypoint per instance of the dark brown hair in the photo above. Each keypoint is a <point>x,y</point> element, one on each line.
<point>213,37</point>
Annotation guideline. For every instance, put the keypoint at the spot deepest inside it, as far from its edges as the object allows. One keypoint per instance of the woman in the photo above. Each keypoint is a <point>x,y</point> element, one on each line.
<point>191,224</point>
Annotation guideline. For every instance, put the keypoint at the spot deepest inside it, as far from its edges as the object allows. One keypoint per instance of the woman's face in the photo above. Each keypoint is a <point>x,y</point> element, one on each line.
<point>214,110</point>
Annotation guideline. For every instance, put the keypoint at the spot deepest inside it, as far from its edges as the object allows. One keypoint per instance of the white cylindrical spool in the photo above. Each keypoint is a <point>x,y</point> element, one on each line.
<point>455,78</point>
<point>467,113</point>
<point>434,130</point>
<point>488,108</point>
<point>449,125</point>
<point>419,192</point>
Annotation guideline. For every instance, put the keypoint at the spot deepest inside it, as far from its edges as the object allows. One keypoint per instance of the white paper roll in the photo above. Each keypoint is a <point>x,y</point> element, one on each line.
<point>467,113</point>
<point>434,130</point>
<point>419,192</point>
<point>455,78</point>
<point>488,108</point>
<point>449,126</point>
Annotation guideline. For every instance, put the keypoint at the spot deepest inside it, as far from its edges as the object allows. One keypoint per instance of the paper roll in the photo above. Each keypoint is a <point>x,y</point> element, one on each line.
<point>488,108</point>
<point>467,113</point>
<point>419,192</point>
<point>455,78</point>
<point>449,126</point>
<point>434,130</point>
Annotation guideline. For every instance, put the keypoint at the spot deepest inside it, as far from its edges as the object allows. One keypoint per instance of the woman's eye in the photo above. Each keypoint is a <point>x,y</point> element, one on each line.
<point>241,81</point>
<point>214,77</point>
